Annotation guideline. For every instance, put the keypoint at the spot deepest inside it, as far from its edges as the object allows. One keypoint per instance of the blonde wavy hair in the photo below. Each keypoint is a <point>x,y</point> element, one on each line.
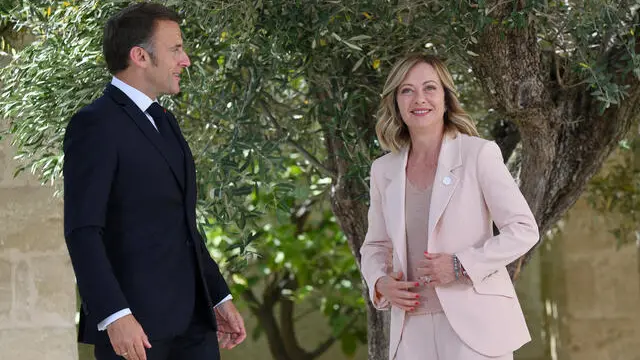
<point>392,132</point>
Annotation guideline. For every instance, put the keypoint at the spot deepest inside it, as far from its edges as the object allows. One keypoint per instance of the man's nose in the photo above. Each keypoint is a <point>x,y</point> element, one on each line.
<point>185,62</point>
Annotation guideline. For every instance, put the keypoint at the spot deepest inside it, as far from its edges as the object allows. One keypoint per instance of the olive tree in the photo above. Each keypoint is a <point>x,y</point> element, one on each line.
<point>275,83</point>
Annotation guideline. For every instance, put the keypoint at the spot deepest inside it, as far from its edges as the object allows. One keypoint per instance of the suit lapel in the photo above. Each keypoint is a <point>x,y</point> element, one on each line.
<point>143,123</point>
<point>191,185</point>
<point>445,181</point>
<point>188,157</point>
<point>395,203</point>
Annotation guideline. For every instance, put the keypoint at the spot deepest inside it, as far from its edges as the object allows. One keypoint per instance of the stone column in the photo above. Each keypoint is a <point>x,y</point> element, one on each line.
<point>37,288</point>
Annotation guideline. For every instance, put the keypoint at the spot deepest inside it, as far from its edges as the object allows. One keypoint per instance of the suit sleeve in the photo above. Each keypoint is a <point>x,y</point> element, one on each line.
<point>216,284</point>
<point>377,247</point>
<point>509,211</point>
<point>90,163</point>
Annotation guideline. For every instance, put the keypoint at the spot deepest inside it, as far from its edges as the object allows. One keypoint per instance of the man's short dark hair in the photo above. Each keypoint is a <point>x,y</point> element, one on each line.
<point>132,26</point>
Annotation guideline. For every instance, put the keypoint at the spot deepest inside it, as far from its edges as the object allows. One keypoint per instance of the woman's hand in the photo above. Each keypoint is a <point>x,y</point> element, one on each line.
<point>436,269</point>
<point>396,291</point>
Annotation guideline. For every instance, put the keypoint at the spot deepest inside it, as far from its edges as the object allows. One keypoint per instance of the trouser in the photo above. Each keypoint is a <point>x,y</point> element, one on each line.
<point>430,337</point>
<point>196,343</point>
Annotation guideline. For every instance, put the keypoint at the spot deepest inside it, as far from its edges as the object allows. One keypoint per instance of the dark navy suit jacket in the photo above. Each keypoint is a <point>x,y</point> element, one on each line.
<point>130,222</point>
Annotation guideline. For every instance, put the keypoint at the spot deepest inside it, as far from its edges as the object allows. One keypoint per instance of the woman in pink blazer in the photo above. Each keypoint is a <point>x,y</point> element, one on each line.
<point>430,254</point>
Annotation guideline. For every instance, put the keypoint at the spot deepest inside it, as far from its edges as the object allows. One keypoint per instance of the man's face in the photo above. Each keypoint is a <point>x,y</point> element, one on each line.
<point>167,59</point>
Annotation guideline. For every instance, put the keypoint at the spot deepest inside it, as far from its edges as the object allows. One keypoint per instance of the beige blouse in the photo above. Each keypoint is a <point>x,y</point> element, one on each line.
<point>416,210</point>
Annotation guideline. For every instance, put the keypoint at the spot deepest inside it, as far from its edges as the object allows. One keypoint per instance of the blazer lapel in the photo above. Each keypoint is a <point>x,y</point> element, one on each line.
<point>143,123</point>
<point>445,181</point>
<point>190,192</point>
<point>394,198</point>
<point>188,156</point>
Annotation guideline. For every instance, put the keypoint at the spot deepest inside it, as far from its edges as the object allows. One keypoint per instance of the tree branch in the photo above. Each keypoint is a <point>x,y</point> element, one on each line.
<point>267,321</point>
<point>507,136</point>
<point>306,154</point>
<point>324,346</point>
<point>310,158</point>
<point>302,315</point>
<point>301,214</point>
<point>251,299</point>
<point>272,292</point>
<point>287,324</point>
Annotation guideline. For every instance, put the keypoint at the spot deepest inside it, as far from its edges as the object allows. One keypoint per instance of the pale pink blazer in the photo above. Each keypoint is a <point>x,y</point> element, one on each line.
<point>472,188</point>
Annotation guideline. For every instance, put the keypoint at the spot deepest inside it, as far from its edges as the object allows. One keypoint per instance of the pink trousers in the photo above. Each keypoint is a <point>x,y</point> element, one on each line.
<point>430,337</point>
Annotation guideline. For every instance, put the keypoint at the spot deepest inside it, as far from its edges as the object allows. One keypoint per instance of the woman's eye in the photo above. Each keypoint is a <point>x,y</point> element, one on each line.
<point>430,88</point>
<point>405,91</point>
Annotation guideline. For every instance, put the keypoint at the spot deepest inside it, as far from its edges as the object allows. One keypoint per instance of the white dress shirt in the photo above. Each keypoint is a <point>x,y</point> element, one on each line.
<point>143,102</point>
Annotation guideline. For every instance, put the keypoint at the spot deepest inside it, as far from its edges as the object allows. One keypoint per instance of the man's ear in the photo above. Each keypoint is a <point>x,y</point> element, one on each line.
<point>139,56</point>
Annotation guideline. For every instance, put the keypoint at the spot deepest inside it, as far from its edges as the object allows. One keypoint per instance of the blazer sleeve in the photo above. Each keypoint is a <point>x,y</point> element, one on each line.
<point>377,247</point>
<point>217,286</point>
<point>90,162</point>
<point>509,211</point>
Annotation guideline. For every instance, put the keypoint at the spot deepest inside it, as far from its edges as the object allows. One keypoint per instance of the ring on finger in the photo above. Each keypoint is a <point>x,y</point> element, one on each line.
<point>427,279</point>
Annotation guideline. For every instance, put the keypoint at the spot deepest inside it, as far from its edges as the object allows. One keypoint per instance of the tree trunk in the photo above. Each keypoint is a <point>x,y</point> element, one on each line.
<point>267,320</point>
<point>564,137</point>
<point>351,213</point>
<point>378,323</point>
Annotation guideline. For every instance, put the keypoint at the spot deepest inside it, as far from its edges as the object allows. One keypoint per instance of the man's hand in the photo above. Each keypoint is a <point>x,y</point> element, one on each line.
<point>128,339</point>
<point>231,330</point>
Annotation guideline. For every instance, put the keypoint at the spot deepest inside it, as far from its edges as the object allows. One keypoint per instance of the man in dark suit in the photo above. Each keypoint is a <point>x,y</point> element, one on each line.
<point>149,287</point>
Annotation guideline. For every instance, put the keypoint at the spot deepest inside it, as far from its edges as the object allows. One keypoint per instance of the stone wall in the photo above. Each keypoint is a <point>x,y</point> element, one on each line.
<point>601,316</point>
<point>37,289</point>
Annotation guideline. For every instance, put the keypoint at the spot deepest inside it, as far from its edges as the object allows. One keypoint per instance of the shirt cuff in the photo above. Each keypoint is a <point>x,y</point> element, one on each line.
<point>226,298</point>
<point>102,326</point>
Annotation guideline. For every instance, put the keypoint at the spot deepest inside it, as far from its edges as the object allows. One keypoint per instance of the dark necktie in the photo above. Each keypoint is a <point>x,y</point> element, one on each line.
<point>161,119</point>
<point>158,114</point>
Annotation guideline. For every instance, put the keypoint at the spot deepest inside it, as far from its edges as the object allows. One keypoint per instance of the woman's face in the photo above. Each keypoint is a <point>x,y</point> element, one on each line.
<point>420,98</point>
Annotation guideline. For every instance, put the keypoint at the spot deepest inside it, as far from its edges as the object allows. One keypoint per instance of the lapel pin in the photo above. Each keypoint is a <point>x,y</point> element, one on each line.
<point>446,180</point>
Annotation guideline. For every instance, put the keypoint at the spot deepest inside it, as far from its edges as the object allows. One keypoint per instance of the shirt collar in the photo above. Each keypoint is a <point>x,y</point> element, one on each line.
<point>138,97</point>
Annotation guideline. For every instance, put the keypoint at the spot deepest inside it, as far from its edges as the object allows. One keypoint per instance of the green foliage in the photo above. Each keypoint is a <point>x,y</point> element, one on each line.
<point>36,88</point>
<point>297,248</point>
<point>582,35</point>
<point>296,61</point>
<point>297,239</point>
<point>5,40</point>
